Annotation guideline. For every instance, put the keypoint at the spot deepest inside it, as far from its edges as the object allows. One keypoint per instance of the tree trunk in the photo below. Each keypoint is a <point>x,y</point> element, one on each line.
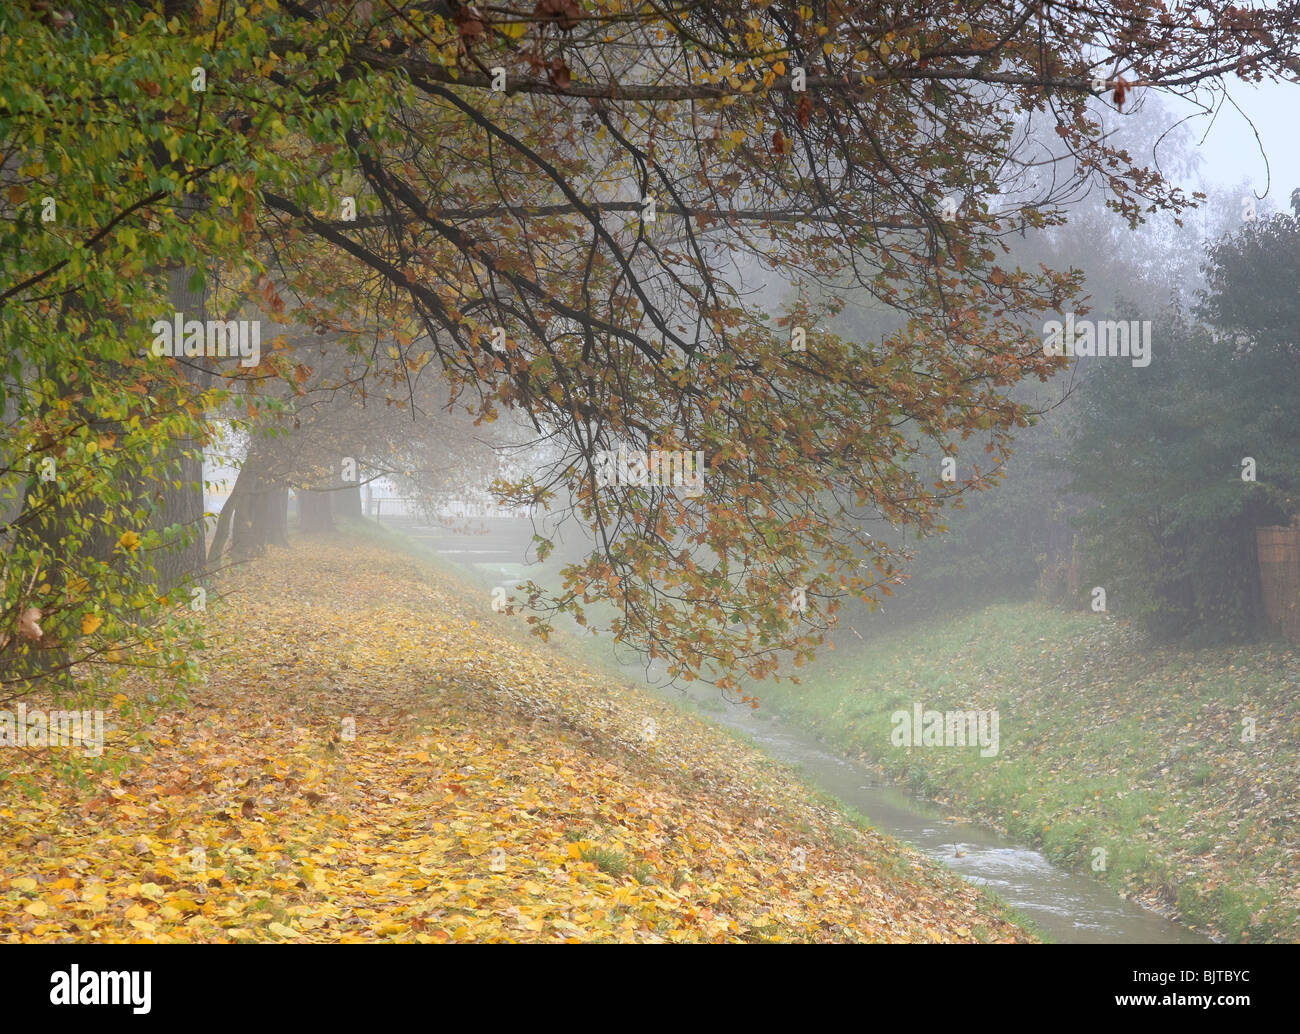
<point>347,503</point>
<point>179,499</point>
<point>316,511</point>
<point>277,532</point>
<point>252,498</point>
<point>248,534</point>
<point>222,533</point>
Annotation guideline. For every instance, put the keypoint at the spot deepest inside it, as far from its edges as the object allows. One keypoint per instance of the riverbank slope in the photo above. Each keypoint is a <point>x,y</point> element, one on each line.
<point>1172,774</point>
<point>372,758</point>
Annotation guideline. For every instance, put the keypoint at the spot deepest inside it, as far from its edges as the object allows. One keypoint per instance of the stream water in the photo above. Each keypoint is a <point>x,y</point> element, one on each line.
<point>1069,907</point>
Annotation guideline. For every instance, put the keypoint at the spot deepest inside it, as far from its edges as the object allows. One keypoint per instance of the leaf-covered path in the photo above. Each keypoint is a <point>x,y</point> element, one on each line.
<point>493,791</point>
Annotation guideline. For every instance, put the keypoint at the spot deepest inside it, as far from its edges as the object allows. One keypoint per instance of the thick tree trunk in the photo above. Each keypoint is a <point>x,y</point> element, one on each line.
<point>179,499</point>
<point>251,498</point>
<point>347,503</point>
<point>261,519</point>
<point>316,511</point>
<point>248,538</point>
<point>222,533</point>
<point>238,517</point>
<point>258,506</point>
<point>277,532</point>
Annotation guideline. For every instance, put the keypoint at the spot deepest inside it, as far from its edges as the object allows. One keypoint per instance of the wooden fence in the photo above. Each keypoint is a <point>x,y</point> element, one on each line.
<point>1279,576</point>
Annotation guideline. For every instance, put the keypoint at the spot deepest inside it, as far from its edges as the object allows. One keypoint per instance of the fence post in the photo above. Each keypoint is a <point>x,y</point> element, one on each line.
<point>1278,549</point>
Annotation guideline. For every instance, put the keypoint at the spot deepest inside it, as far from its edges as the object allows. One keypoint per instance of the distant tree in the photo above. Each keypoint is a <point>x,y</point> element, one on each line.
<point>334,427</point>
<point>1162,451</point>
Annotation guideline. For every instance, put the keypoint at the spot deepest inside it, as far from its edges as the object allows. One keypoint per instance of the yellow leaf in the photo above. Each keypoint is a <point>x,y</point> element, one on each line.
<point>38,908</point>
<point>89,623</point>
<point>280,930</point>
<point>24,883</point>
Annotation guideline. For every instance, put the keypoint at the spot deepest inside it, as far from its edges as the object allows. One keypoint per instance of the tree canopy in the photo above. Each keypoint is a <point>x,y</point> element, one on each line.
<point>581,212</point>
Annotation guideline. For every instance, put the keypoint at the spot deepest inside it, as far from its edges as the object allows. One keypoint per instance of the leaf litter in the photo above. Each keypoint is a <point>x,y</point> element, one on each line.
<point>369,759</point>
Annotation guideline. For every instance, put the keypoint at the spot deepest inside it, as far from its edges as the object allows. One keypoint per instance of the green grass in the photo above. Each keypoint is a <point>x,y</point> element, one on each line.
<point>613,863</point>
<point>1105,743</point>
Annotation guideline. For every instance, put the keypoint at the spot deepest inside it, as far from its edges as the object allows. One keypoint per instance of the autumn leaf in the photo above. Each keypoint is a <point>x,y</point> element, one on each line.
<point>565,13</point>
<point>446,795</point>
<point>468,22</point>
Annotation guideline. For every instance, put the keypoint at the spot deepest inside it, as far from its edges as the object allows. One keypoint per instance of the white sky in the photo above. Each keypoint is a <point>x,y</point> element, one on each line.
<point>1229,147</point>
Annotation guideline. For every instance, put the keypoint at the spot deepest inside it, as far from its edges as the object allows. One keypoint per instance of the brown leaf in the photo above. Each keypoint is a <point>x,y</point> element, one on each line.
<point>565,13</point>
<point>468,22</point>
<point>805,110</point>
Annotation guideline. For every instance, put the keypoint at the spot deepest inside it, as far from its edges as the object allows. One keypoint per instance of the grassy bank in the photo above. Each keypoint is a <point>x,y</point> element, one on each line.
<point>1110,751</point>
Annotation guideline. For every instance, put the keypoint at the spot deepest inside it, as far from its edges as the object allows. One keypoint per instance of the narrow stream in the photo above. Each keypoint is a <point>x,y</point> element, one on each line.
<point>1068,907</point>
